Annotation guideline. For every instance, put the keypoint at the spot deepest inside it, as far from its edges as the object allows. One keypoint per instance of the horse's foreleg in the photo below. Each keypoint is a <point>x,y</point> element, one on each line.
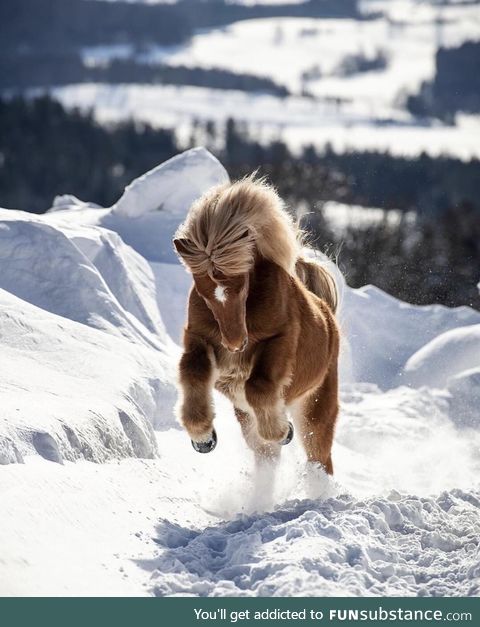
<point>265,387</point>
<point>317,420</point>
<point>196,374</point>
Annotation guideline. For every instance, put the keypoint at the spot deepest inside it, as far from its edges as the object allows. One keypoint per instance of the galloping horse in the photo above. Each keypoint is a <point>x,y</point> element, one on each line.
<point>261,326</point>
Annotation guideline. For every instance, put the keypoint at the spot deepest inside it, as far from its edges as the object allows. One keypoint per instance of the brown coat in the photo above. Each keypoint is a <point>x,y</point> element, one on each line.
<point>290,362</point>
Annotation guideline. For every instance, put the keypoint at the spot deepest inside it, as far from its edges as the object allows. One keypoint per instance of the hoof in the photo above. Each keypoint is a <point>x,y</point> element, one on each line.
<point>289,437</point>
<point>208,446</point>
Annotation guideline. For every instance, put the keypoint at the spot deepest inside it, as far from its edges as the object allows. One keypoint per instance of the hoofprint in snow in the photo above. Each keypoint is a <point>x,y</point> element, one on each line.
<point>91,309</point>
<point>364,111</point>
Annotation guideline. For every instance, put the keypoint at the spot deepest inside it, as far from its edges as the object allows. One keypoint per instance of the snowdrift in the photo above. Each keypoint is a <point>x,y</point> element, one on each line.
<point>90,367</point>
<point>92,304</point>
<point>69,391</point>
<point>446,356</point>
<point>384,334</point>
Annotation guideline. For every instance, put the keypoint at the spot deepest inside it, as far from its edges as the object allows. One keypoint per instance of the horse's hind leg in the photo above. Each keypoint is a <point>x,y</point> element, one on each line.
<point>263,451</point>
<point>316,421</point>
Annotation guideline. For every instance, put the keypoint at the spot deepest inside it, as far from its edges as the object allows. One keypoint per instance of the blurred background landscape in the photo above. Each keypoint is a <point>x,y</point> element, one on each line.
<point>364,113</point>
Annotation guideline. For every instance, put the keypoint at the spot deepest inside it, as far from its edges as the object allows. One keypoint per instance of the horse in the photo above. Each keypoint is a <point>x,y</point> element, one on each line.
<point>261,325</point>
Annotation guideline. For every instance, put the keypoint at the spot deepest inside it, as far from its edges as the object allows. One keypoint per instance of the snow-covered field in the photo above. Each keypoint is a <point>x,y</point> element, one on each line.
<point>361,111</point>
<point>298,121</point>
<point>101,492</point>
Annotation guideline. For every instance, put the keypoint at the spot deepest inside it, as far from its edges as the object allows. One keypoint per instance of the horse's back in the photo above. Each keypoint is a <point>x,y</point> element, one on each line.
<point>317,345</point>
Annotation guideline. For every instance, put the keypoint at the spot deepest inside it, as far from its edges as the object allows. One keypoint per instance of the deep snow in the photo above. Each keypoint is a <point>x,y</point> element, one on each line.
<point>91,307</point>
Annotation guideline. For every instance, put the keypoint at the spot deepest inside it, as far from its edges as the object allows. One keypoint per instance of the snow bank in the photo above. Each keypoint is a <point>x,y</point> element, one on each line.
<point>74,288</point>
<point>179,180</point>
<point>464,399</point>
<point>445,356</point>
<point>152,207</point>
<point>44,266</point>
<point>70,391</point>
<point>403,439</point>
<point>384,333</point>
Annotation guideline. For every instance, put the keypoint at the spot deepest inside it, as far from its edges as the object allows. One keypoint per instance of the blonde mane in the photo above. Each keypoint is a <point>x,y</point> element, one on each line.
<point>230,223</point>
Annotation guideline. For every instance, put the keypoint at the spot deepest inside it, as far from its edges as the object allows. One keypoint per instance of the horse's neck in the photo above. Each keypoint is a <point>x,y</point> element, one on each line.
<point>265,270</point>
<point>265,283</point>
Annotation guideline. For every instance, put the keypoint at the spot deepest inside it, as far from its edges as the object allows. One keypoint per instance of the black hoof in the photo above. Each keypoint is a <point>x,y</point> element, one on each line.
<point>289,437</point>
<point>208,446</point>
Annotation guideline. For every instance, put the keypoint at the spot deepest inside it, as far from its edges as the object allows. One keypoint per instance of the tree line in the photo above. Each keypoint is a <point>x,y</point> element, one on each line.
<point>425,184</point>
<point>63,25</point>
<point>50,69</point>
<point>46,150</point>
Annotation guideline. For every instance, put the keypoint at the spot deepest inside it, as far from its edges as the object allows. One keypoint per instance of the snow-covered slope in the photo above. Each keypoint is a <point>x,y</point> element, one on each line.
<point>447,355</point>
<point>384,334</point>
<point>91,367</point>
<point>90,299</point>
<point>299,121</point>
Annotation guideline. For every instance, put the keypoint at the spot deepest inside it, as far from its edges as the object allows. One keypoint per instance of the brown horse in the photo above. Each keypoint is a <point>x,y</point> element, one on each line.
<point>261,326</point>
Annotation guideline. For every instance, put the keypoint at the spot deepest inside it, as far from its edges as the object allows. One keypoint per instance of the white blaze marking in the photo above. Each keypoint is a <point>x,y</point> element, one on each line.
<point>220,294</point>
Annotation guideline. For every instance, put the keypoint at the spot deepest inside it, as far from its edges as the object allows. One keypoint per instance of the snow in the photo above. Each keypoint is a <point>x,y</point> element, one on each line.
<point>341,216</point>
<point>88,330</point>
<point>298,121</point>
<point>464,399</point>
<point>364,111</point>
<point>141,196</point>
<point>264,554</point>
<point>447,355</point>
<point>400,330</point>
<point>155,219</point>
<point>87,363</point>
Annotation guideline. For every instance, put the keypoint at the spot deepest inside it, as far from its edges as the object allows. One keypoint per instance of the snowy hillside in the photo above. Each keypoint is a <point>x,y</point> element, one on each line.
<point>91,307</point>
<point>358,110</point>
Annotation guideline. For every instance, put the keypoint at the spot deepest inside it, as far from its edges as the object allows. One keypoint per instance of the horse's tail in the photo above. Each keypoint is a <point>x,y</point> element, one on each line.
<point>319,280</point>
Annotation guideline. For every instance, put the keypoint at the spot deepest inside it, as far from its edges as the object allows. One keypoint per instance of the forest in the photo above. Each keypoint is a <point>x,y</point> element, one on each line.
<point>455,86</point>
<point>46,150</point>
<point>71,24</point>
<point>52,55</point>
<point>49,69</point>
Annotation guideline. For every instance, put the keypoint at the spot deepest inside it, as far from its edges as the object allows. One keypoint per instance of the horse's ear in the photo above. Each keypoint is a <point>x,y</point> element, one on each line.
<point>182,245</point>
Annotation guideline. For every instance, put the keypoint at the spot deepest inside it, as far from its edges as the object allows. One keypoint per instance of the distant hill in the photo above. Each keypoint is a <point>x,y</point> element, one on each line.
<point>47,69</point>
<point>68,24</point>
<point>42,39</point>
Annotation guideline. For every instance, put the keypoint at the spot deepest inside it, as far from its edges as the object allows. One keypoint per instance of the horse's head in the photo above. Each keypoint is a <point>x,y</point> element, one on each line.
<point>226,297</point>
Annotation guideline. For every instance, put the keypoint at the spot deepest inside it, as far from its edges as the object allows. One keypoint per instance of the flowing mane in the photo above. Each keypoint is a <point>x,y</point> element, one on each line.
<point>230,223</point>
